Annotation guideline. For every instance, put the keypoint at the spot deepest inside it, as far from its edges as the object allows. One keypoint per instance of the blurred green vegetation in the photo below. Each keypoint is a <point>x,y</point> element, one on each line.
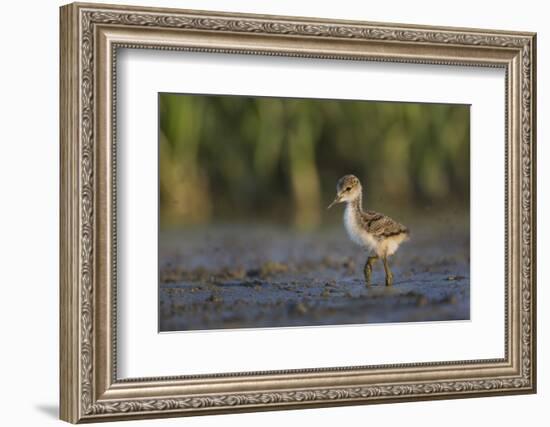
<point>236,158</point>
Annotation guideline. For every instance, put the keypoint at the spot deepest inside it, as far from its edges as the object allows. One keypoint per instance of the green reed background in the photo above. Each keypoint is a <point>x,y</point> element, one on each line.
<point>234,158</point>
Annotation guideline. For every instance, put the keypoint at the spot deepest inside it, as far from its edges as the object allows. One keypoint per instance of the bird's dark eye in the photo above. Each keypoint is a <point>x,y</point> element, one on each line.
<point>348,188</point>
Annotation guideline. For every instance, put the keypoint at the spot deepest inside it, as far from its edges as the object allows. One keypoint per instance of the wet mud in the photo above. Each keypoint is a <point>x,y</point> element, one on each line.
<point>228,277</point>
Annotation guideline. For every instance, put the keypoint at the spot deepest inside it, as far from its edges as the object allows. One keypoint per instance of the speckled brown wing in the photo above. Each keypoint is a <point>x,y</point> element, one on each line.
<point>382,226</point>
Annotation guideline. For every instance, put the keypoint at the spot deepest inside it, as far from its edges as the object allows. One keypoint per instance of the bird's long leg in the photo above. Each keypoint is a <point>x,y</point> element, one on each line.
<point>389,275</point>
<point>368,268</point>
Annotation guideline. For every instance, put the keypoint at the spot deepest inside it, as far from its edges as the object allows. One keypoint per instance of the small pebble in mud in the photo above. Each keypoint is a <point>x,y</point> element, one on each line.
<point>325,293</point>
<point>253,272</point>
<point>451,299</point>
<point>236,273</point>
<point>270,268</point>
<point>299,308</point>
<point>451,278</point>
<point>214,298</point>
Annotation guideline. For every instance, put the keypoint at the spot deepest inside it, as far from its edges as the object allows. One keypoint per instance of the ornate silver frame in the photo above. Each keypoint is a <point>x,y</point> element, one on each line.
<point>90,36</point>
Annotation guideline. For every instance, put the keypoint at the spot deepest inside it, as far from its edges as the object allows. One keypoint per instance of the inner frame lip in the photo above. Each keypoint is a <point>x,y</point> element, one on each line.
<point>471,363</point>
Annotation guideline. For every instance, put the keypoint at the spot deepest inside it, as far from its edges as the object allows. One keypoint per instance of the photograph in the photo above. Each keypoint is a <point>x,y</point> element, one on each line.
<point>286,212</point>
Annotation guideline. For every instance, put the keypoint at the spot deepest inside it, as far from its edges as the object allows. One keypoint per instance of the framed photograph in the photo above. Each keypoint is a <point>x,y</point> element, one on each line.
<point>265,212</point>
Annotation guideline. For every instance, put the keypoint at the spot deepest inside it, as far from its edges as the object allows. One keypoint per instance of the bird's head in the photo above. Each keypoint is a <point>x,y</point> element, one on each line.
<point>348,189</point>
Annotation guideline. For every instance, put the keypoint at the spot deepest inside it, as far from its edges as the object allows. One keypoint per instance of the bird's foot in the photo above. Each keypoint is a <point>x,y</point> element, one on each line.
<point>368,269</point>
<point>367,277</point>
<point>389,275</point>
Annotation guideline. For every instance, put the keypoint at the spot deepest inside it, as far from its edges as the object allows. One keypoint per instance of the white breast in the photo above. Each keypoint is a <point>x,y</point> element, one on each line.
<point>357,233</point>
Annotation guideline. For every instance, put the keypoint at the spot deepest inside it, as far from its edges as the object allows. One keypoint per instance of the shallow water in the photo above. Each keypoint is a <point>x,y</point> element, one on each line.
<point>250,276</point>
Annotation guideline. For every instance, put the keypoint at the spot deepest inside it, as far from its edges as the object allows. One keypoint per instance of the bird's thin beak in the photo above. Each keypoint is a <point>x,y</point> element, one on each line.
<point>337,200</point>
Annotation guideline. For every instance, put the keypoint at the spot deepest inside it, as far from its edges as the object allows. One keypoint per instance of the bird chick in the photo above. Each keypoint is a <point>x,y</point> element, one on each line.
<point>376,232</point>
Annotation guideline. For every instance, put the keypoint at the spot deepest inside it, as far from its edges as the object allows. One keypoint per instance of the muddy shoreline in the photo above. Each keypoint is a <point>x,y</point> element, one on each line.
<point>228,277</point>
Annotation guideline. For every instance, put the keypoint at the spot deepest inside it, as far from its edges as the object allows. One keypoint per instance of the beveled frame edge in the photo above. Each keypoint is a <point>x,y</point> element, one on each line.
<point>89,36</point>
